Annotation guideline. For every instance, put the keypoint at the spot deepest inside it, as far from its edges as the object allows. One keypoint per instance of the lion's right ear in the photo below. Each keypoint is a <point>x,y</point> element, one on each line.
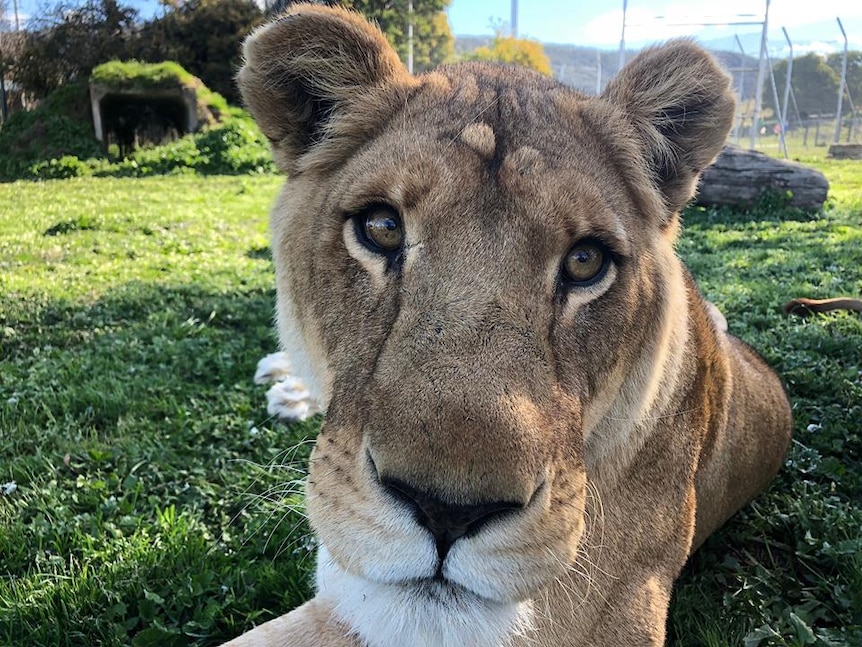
<point>309,66</point>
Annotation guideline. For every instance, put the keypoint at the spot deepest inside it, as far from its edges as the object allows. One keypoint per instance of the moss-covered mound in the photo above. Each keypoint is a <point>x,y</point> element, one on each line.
<point>57,139</point>
<point>134,76</point>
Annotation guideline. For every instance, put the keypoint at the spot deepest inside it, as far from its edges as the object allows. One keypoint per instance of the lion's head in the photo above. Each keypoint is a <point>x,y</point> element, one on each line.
<point>477,278</point>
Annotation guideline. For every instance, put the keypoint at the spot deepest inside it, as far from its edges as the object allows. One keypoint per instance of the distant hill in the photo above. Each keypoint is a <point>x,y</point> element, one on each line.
<point>578,66</point>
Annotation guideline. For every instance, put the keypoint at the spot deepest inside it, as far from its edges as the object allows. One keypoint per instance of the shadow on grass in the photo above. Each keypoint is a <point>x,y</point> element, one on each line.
<point>156,500</point>
<point>769,208</point>
<point>259,253</point>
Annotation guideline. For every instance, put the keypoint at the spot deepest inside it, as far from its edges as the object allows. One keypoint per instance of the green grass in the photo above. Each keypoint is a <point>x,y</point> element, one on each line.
<point>787,570</point>
<point>55,140</point>
<point>150,483</point>
<point>807,150</point>
<point>132,315</point>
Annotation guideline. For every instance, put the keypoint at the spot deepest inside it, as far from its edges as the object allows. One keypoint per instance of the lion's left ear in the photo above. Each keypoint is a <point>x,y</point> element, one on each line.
<point>681,103</point>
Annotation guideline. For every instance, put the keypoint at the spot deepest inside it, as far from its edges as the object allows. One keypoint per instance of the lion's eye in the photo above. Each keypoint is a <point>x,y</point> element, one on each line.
<point>586,263</point>
<point>380,229</point>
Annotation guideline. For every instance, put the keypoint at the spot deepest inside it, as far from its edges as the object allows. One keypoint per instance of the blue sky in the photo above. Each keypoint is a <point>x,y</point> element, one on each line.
<point>598,23</point>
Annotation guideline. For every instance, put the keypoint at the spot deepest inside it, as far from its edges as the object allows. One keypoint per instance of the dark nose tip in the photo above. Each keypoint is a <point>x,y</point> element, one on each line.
<point>447,522</point>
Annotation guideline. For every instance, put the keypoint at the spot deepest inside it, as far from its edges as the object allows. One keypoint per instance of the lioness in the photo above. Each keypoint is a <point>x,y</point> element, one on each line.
<point>531,418</point>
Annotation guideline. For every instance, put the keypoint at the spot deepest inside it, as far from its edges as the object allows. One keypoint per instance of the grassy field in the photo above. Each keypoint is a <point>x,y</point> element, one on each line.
<point>145,496</point>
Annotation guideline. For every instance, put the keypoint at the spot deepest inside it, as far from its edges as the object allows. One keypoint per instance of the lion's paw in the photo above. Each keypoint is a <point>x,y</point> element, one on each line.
<point>287,398</point>
<point>290,400</point>
<point>272,368</point>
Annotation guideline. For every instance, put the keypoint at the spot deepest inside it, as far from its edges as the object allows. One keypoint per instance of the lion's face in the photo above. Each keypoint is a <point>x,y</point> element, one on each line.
<point>457,261</point>
<point>461,361</point>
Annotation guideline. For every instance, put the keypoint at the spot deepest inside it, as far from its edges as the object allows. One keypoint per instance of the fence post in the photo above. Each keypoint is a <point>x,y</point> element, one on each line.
<point>841,86</point>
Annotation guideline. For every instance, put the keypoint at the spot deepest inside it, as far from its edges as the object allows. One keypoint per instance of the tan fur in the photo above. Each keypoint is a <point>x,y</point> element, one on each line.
<point>625,424</point>
<point>311,625</point>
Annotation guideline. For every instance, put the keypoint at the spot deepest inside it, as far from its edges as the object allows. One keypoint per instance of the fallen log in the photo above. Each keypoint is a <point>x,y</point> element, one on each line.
<point>845,151</point>
<point>739,177</point>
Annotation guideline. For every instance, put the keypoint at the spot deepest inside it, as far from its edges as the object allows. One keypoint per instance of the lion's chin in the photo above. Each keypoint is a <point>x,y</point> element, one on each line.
<point>426,613</point>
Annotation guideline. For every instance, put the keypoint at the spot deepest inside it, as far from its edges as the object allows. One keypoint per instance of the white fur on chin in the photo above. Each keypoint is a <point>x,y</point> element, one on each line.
<point>389,615</point>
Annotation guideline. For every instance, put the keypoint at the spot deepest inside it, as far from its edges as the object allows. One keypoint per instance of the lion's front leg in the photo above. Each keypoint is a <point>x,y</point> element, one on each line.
<point>638,618</point>
<point>623,609</point>
<point>311,625</point>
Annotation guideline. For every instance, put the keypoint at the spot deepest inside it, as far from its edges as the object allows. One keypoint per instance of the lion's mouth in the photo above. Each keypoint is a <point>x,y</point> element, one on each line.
<point>441,590</point>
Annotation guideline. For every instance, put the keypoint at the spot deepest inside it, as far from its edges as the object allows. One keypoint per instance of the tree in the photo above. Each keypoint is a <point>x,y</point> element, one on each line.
<point>854,76</point>
<point>814,84</point>
<point>204,36</point>
<point>5,63</point>
<point>70,40</point>
<point>433,42</point>
<point>514,51</point>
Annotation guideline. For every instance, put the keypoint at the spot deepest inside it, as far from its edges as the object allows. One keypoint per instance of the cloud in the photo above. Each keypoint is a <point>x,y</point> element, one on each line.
<point>663,22</point>
<point>8,22</point>
<point>787,13</point>
<point>816,46</point>
<point>667,20</point>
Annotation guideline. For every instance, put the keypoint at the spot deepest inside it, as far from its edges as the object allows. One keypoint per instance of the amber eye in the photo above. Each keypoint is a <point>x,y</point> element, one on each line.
<point>380,229</point>
<point>586,263</point>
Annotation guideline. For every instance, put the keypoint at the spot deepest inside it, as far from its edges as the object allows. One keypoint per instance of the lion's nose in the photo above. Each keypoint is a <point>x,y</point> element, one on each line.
<point>447,522</point>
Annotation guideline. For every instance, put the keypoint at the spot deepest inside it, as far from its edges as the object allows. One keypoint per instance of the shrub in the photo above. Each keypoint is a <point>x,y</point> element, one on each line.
<point>204,36</point>
<point>60,169</point>
<point>54,130</point>
<point>234,148</point>
<point>514,51</point>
